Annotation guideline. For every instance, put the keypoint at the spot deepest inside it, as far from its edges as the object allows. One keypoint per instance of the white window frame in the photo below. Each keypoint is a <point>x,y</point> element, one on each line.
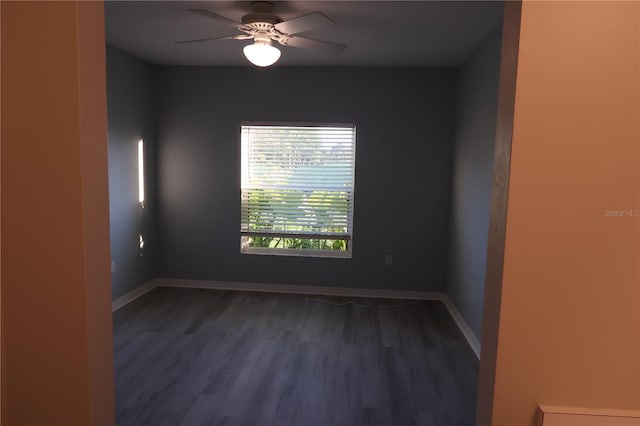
<point>269,251</point>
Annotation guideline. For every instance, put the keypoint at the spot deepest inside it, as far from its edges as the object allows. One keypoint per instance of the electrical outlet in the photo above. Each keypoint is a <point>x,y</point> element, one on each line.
<point>388,259</point>
<point>113,266</point>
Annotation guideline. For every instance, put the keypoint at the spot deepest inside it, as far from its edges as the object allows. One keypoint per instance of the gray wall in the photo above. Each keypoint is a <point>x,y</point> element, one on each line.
<point>130,118</point>
<point>404,120</point>
<point>472,182</point>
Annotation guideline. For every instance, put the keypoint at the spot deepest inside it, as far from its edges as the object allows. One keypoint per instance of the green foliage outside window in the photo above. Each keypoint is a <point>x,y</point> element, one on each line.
<point>315,212</point>
<point>297,243</point>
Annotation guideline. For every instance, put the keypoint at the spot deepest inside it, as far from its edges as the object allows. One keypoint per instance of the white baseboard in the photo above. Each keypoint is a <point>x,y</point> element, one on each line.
<point>127,298</point>
<point>299,289</point>
<point>579,416</point>
<point>471,337</point>
<point>312,290</point>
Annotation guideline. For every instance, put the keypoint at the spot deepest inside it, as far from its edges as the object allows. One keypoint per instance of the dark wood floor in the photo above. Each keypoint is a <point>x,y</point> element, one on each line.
<point>193,357</point>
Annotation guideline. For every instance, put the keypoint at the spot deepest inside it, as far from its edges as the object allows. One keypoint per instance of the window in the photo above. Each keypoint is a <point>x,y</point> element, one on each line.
<point>297,189</point>
<point>141,172</point>
<point>141,192</point>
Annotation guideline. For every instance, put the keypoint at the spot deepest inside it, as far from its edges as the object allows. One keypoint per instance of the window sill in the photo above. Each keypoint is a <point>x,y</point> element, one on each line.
<point>297,252</point>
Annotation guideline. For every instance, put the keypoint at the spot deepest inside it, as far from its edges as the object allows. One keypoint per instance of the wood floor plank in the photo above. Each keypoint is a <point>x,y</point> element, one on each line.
<point>195,357</point>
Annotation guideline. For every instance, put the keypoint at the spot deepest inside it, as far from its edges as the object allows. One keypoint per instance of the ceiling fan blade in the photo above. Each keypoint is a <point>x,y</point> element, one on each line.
<point>235,37</point>
<point>309,43</point>
<point>304,23</point>
<point>211,15</point>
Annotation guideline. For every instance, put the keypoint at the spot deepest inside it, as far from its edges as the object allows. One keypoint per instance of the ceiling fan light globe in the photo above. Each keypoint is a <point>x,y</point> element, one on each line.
<point>262,55</point>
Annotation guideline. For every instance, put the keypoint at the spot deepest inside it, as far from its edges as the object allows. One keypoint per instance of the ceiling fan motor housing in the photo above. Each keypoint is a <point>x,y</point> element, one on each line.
<point>261,18</point>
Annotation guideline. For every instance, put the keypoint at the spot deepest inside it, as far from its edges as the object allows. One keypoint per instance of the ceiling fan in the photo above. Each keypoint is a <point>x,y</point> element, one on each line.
<point>263,27</point>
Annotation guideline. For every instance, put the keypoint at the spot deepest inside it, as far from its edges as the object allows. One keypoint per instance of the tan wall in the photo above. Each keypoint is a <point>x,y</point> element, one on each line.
<point>58,362</point>
<point>570,315</point>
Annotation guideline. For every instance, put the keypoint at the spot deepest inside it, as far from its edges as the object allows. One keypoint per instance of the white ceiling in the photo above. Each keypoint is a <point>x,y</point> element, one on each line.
<point>378,33</point>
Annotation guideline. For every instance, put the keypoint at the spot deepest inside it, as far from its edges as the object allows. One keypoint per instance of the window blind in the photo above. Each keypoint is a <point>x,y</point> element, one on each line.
<point>297,181</point>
